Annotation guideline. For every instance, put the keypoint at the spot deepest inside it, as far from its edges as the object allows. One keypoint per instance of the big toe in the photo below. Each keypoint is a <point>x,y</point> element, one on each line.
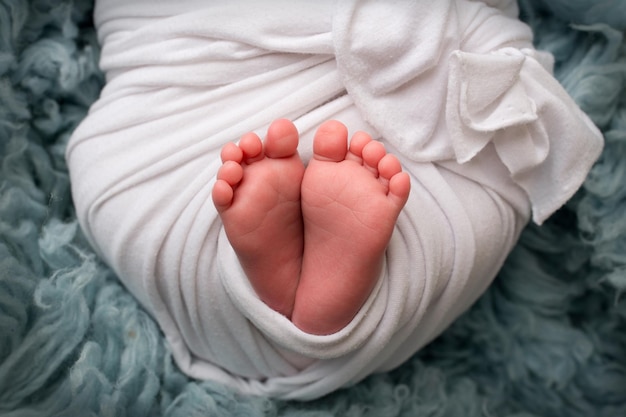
<point>331,142</point>
<point>281,140</point>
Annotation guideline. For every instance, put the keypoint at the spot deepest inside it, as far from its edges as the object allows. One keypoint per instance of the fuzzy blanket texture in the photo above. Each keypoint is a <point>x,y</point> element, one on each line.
<point>547,339</point>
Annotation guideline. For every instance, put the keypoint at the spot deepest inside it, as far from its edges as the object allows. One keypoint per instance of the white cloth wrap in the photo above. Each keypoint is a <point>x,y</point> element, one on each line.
<point>454,88</point>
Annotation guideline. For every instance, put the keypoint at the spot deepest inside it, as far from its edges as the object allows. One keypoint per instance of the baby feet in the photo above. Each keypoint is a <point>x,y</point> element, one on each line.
<point>311,242</point>
<point>257,194</point>
<point>351,199</point>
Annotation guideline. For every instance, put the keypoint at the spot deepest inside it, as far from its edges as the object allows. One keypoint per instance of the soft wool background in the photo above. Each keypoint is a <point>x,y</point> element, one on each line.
<point>548,338</point>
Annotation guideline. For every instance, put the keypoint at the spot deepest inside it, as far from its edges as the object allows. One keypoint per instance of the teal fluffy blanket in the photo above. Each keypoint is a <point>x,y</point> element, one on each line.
<point>547,339</point>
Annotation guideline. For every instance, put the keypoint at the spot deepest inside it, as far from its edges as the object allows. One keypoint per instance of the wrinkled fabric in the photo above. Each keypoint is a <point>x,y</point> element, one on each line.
<point>453,88</point>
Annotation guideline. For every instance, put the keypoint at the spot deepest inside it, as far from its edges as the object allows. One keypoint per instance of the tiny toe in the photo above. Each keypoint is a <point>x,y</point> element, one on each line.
<point>231,152</point>
<point>399,188</point>
<point>251,146</point>
<point>358,141</point>
<point>331,142</point>
<point>222,195</point>
<point>231,172</point>
<point>389,166</point>
<point>373,152</point>
<point>282,139</point>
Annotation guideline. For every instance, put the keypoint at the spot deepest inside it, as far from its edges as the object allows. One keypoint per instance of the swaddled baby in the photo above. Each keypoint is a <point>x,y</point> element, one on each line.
<point>304,193</point>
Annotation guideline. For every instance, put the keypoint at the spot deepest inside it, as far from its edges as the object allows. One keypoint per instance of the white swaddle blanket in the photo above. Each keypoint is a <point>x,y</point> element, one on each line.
<point>453,88</point>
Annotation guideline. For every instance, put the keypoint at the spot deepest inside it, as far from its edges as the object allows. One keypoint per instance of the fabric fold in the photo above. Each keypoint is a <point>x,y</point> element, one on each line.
<point>464,77</point>
<point>484,96</point>
<point>394,78</point>
<point>508,97</point>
